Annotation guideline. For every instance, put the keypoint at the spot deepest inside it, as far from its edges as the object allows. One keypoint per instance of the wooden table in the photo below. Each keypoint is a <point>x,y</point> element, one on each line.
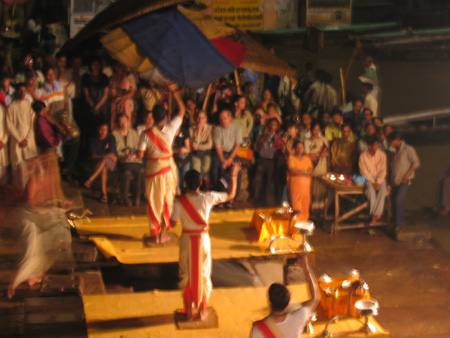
<point>350,192</point>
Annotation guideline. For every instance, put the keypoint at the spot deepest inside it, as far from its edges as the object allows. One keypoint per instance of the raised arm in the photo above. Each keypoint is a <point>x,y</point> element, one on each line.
<point>314,290</point>
<point>173,87</point>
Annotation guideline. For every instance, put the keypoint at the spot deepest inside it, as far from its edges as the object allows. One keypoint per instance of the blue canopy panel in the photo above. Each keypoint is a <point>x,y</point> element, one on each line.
<point>178,48</point>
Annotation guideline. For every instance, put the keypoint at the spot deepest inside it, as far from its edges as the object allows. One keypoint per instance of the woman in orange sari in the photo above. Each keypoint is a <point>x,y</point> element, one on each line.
<point>299,172</point>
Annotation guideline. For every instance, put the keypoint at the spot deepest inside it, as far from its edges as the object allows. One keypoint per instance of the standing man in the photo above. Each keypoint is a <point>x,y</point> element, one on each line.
<point>404,165</point>
<point>288,325</point>
<point>161,171</point>
<point>20,127</point>
<point>227,139</point>
<point>193,209</point>
<point>373,166</point>
<point>370,101</point>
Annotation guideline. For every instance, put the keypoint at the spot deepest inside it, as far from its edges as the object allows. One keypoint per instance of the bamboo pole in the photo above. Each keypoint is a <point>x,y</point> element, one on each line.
<point>344,99</point>
<point>205,102</point>
<point>238,85</point>
<point>355,51</point>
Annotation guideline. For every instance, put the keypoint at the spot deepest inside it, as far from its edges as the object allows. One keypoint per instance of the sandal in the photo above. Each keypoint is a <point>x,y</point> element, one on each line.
<point>104,198</point>
<point>88,183</point>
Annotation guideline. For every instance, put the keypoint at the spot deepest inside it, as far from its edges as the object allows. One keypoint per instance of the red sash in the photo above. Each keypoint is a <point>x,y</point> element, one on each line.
<point>157,141</point>
<point>268,328</point>
<point>192,211</point>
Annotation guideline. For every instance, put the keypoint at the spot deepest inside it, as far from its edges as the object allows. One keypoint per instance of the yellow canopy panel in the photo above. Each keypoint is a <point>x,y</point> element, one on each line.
<point>151,314</point>
<point>122,237</point>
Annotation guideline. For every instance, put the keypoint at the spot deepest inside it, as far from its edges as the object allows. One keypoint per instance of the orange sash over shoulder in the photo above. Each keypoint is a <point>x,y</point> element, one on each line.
<point>159,164</point>
<point>192,211</point>
<point>268,328</point>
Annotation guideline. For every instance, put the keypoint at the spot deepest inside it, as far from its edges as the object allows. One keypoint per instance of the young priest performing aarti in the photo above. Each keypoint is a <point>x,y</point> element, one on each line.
<point>193,209</point>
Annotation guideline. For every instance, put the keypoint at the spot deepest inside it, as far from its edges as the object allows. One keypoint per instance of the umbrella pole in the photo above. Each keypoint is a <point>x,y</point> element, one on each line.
<point>344,99</point>
<point>238,85</point>
<point>205,102</point>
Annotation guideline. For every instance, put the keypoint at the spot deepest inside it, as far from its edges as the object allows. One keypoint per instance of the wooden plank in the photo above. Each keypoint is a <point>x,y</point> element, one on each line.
<point>91,283</point>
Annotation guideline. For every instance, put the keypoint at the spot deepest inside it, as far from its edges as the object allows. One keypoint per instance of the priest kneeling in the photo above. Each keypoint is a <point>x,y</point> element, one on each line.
<point>193,209</point>
<point>280,324</point>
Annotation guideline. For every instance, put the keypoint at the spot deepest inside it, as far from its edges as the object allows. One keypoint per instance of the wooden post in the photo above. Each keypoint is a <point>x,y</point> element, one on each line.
<point>344,99</point>
<point>238,85</point>
<point>205,102</point>
<point>355,51</point>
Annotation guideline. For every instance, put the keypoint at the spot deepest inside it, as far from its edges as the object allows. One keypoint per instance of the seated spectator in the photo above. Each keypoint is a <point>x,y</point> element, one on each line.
<point>386,130</point>
<point>333,129</point>
<point>103,156</point>
<point>182,155</point>
<point>227,139</point>
<point>271,113</point>
<point>191,112</point>
<point>33,92</point>
<point>243,117</point>
<point>48,133</point>
<point>223,99</point>
<point>121,93</point>
<point>288,324</point>
<point>343,153</point>
<point>202,144</point>
<point>268,146</point>
<point>354,117</point>
<point>129,165</point>
<point>370,101</point>
<point>6,90</point>
<point>373,166</point>
<point>28,63</point>
<point>267,98</point>
<point>150,95</point>
<point>149,122</point>
<point>299,173</point>
<point>305,129</point>
<point>369,131</point>
<point>367,118</point>
<point>325,120</point>
<point>258,125</point>
<point>248,90</point>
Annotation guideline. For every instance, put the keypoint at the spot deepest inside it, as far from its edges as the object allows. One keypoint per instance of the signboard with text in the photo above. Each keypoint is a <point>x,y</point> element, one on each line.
<point>244,14</point>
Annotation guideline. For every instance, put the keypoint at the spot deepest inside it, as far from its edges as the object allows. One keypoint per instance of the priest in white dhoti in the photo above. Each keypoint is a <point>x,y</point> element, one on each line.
<point>193,209</point>
<point>160,172</point>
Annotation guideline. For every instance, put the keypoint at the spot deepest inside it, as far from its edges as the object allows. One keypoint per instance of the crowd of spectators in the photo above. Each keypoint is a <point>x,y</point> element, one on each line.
<point>97,111</point>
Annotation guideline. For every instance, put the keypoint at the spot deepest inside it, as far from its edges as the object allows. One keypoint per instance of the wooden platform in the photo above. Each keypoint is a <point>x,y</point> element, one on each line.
<point>122,238</point>
<point>152,314</point>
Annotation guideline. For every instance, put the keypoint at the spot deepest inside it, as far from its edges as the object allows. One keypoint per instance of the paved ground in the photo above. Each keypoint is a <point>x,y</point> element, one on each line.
<point>410,279</point>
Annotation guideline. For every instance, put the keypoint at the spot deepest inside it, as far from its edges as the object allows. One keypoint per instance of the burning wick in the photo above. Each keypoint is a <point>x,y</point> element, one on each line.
<point>341,177</point>
<point>332,177</point>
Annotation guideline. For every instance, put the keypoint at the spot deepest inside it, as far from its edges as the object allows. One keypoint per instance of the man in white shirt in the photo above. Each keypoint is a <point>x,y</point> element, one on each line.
<point>193,209</point>
<point>161,171</point>
<point>373,166</point>
<point>370,101</point>
<point>288,325</point>
<point>20,127</point>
